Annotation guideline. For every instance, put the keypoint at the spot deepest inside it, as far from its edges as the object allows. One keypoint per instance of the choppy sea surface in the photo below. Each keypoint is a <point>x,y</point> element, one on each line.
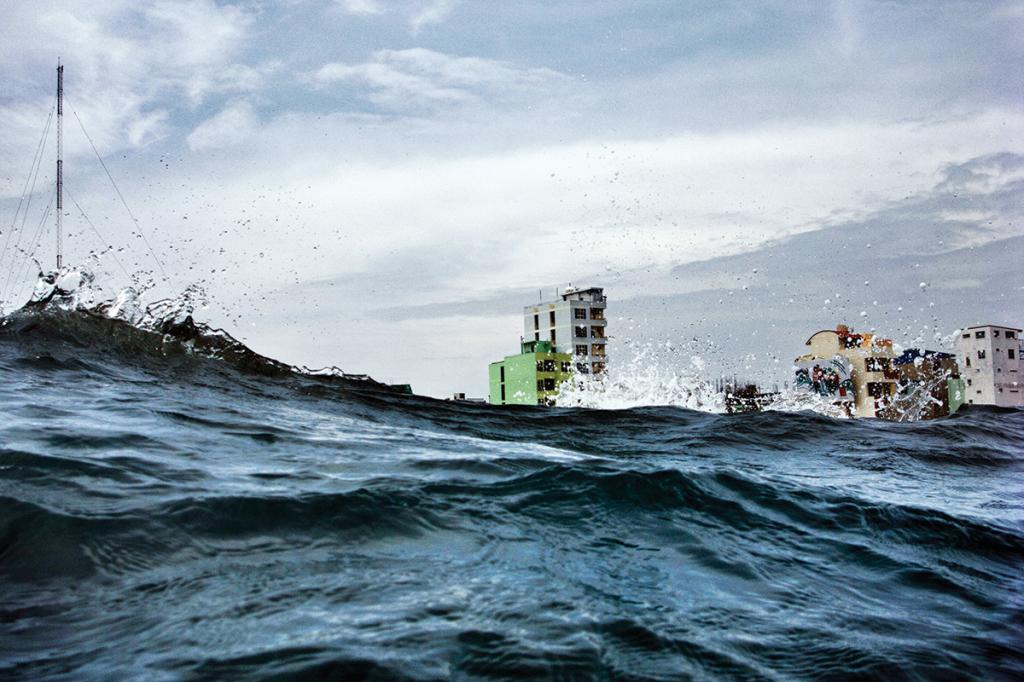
<point>173,506</point>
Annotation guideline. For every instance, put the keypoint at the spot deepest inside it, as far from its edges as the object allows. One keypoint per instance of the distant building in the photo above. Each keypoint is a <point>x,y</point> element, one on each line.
<point>991,366</point>
<point>530,378</point>
<point>748,398</point>
<point>929,385</point>
<point>856,371</point>
<point>575,324</point>
<point>461,398</point>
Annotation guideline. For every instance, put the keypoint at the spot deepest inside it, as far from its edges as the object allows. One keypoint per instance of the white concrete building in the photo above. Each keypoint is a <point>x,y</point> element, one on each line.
<point>990,365</point>
<point>574,323</point>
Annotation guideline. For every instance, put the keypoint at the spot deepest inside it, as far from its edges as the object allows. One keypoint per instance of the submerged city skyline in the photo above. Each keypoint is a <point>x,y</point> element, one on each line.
<point>383,186</point>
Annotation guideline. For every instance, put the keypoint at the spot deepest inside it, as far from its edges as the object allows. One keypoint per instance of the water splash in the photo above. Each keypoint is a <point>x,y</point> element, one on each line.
<point>643,380</point>
<point>70,304</point>
<point>648,379</point>
<point>74,288</point>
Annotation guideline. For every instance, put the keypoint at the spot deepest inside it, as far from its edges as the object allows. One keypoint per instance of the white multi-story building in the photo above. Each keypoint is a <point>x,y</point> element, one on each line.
<point>990,365</point>
<point>574,323</point>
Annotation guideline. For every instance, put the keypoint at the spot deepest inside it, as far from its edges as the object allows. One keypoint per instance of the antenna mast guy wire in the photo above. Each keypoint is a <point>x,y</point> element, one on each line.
<point>121,197</point>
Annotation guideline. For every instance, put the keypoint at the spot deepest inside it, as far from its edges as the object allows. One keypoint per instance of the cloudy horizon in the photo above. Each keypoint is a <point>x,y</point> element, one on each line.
<point>382,185</point>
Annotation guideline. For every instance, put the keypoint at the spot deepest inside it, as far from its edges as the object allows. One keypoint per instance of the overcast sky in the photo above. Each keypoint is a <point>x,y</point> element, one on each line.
<point>382,185</point>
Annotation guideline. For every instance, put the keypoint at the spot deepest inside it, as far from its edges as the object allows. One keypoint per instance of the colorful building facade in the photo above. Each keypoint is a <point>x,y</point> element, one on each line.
<point>857,369</point>
<point>532,377</point>
<point>929,385</point>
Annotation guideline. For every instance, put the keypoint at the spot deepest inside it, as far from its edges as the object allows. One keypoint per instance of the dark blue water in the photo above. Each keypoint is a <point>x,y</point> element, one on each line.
<point>164,515</point>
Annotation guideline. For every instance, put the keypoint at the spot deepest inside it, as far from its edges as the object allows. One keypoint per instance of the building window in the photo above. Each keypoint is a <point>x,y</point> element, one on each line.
<point>878,389</point>
<point>1010,353</point>
<point>503,393</point>
<point>579,313</point>
<point>598,350</point>
<point>549,384</point>
<point>502,368</point>
<point>981,355</point>
<point>536,321</point>
<point>536,336</point>
<point>596,314</point>
<point>877,364</point>
<point>581,350</point>
<point>551,318</point>
<point>967,335</point>
<point>979,335</point>
<point>969,382</point>
<point>549,365</point>
<point>1011,335</point>
<point>995,333</point>
<point>968,361</point>
<point>582,368</point>
<point>566,367</point>
<point>552,336</point>
<point>540,385</point>
<point>597,332</point>
<point>581,332</point>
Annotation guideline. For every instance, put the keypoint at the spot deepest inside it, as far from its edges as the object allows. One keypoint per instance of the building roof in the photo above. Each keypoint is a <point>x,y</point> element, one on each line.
<point>909,355</point>
<point>997,326</point>
<point>596,292</point>
<point>822,331</point>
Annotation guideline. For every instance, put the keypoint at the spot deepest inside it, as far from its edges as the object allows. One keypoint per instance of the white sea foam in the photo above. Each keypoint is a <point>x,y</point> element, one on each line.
<point>649,380</point>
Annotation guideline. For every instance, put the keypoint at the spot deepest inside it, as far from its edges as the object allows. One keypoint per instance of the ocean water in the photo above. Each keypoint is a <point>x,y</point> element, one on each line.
<point>174,506</point>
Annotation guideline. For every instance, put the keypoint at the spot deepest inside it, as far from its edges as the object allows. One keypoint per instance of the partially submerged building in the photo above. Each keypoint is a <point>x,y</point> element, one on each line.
<point>991,366</point>
<point>853,371</point>
<point>929,385</point>
<point>574,323</point>
<point>530,378</point>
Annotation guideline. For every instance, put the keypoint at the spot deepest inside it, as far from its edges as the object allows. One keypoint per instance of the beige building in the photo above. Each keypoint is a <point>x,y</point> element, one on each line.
<point>872,372</point>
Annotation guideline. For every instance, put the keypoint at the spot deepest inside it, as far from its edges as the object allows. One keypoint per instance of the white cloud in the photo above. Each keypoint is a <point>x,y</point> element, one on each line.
<point>127,65</point>
<point>232,125</point>
<point>848,26</point>
<point>398,79</point>
<point>361,6</point>
<point>420,13</point>
<point>146,127</point>
<point>434,12</point>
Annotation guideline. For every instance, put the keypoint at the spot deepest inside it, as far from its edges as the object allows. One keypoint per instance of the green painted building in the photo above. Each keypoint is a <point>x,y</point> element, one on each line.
<point>957,389</point>
<point>530,378</point>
